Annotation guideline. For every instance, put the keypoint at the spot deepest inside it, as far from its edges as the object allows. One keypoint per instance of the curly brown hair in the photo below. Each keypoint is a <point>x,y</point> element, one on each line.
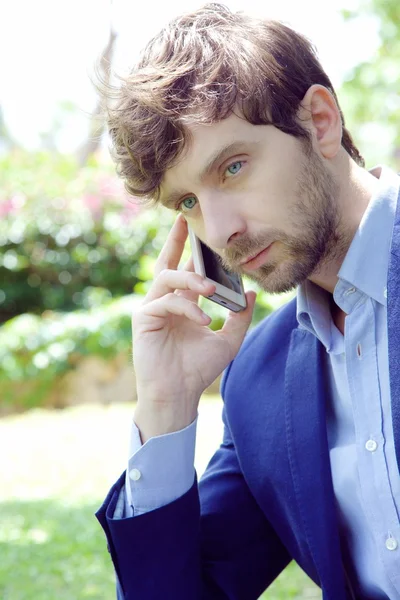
<point>198,69</point>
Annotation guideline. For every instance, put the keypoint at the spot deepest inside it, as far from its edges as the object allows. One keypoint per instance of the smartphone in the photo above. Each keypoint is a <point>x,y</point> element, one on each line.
<point>229,287</point>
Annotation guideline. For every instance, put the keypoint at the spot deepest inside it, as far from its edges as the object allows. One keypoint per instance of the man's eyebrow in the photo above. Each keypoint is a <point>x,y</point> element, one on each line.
<point>219,156</point>
<point>173,198</point>
<point>211,165</point>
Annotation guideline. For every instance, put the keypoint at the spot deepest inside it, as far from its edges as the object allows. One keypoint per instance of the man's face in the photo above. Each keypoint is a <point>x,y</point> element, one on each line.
<point>244,188</point>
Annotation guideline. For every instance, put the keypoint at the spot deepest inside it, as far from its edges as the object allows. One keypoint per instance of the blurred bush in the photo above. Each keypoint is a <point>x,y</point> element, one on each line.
<point>65,231</point>
<point>36,351</point>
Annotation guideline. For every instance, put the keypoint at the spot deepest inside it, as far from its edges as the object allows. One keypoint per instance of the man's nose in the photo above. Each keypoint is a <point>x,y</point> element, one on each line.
<point>222,222</point>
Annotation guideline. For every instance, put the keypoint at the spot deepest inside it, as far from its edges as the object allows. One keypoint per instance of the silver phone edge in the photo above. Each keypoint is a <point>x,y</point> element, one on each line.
<point>225,303</point>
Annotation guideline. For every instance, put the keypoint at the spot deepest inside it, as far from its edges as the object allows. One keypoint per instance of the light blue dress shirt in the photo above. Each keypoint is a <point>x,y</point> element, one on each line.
<point>359,422</point>
<point>359,425</point>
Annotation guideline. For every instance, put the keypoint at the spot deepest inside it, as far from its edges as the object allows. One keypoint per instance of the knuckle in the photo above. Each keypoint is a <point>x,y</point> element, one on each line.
<point>195,277</point>
<point>171,297</point>
<point>137,313</point>
<point>165,264</point>
<point>163,274</point>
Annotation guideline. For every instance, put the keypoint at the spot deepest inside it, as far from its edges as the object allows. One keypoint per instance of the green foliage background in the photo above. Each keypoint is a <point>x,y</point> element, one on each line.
<point>65,231</point>
<point>370,96</point>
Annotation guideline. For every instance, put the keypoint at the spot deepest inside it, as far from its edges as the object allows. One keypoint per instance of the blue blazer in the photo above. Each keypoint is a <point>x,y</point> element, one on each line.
<point>267,496</point>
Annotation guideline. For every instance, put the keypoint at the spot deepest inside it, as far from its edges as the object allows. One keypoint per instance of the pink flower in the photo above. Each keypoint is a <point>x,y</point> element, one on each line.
<point>110,186</point>
<point>7,207</point>
<point>94,204</point>
<point>131,209</point>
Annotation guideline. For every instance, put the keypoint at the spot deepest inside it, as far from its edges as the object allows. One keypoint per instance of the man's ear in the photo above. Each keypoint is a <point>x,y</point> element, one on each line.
<point>320,114</point>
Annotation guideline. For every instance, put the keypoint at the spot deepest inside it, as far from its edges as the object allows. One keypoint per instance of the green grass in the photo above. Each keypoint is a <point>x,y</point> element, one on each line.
<point>56,469</point>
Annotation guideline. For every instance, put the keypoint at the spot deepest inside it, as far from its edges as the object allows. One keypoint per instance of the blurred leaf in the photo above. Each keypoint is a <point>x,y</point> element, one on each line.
<point>65,230</point>
<point>35,351</point>
<point>370,96</point>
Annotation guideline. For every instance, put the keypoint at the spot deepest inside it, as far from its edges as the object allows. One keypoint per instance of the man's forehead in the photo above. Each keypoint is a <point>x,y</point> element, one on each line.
<point>202,139</point>
<point>230,126</point>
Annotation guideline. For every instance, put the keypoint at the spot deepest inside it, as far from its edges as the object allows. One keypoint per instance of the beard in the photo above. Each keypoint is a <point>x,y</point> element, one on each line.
<point>319,237</point>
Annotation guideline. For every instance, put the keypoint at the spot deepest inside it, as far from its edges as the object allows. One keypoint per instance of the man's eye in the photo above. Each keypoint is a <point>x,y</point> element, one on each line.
<point>234,168</point>
<point>188,203</point>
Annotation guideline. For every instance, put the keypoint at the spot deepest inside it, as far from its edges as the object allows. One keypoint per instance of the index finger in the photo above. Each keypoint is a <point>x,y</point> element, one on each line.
<point>188,294</point>
<point>189,265</point>
<point>172,250</point>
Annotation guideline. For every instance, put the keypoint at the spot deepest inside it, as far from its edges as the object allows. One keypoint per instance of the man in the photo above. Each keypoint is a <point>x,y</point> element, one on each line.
<point>232,122</point>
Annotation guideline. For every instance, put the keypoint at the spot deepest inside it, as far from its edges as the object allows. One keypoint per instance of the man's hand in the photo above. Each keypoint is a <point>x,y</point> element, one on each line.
<point>176,355</point>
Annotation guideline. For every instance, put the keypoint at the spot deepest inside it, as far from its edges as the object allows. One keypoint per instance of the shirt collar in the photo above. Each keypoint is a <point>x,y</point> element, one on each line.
<point>313,311</point>
<point>366,263</point>
<point>365,266</point>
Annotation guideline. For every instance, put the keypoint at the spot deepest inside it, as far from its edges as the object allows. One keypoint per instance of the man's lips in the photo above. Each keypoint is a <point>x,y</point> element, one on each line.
<point>254,262</point>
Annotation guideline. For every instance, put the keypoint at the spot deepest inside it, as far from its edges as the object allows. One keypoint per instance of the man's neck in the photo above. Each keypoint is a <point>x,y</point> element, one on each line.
<point>357,186</point>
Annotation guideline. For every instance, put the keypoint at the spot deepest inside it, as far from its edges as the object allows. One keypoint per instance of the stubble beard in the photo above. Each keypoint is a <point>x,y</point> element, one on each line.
<point>320,240</point>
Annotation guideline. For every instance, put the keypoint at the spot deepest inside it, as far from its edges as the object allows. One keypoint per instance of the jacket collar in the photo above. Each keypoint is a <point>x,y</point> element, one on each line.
<point>309,458</point>
<point>393,300</point>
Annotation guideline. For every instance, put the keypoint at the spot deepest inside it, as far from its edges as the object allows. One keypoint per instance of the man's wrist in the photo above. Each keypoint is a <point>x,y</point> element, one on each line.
<point>153,421</point>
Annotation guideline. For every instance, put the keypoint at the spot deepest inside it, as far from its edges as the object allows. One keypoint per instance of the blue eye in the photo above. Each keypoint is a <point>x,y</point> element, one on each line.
<point>234,167</point>
<point>188,203</point>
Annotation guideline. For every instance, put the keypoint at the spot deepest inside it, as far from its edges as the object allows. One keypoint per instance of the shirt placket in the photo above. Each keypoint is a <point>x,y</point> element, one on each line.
<point>363,377</point>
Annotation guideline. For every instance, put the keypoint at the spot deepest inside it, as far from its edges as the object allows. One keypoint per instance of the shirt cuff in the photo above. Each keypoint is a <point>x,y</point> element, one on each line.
<point>159,471</point>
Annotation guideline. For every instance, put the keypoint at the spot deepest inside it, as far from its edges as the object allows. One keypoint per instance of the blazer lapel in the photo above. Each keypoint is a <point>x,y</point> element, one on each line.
<point>305,397</point>
<point>393,303</point>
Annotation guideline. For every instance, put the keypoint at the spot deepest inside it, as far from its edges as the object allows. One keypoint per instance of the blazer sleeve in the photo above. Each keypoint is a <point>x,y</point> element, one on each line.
<point>212,543</point>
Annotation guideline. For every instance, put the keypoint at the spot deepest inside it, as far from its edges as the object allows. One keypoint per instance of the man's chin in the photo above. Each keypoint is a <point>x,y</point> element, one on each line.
<point>278,288</point>
<point>280,279</point>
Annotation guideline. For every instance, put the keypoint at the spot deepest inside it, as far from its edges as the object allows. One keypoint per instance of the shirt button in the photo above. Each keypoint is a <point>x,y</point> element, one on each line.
<point>351,291</point>
<point>391,544</point>
<point>371,445</point>
<point>135,474</point>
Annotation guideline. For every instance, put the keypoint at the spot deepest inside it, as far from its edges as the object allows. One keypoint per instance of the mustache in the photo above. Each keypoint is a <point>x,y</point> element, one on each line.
<point>245,247</point>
